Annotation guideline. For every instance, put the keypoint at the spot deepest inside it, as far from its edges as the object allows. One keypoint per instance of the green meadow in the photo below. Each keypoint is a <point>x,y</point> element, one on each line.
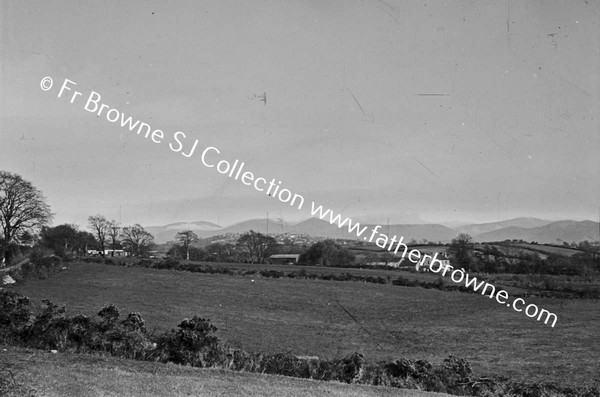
<point>333,318</point>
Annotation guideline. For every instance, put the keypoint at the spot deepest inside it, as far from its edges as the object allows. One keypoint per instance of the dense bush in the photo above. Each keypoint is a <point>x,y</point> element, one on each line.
<point>14,314</point>
<point>169,263</point>
<point>194,343</point>
<point>39,267</point>
<point>145,263</point>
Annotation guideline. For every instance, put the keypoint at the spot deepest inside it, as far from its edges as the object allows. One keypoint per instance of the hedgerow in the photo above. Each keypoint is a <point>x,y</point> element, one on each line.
<point>439,284</point>
<point>195,343</point>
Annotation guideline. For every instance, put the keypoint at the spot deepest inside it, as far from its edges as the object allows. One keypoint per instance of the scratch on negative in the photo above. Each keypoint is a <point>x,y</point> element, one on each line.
<point>427,168</point>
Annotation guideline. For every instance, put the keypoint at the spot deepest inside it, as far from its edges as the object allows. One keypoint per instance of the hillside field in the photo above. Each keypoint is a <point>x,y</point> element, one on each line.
<point>65,375</point>
<point>308,317</point>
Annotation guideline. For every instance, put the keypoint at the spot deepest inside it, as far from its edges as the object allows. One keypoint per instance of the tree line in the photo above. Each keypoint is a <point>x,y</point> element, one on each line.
<point>25,218</point>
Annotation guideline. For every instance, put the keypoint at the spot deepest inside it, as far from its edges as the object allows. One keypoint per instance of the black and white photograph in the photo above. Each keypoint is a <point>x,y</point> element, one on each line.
<point>300,198</point>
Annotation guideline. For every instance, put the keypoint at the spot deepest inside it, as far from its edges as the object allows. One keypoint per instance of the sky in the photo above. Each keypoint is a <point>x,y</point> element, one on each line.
<point>432,111</point>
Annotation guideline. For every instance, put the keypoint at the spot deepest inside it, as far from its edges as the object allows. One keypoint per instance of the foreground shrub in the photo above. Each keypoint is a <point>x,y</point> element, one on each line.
<point>49,329</point>
<point>284,364</point>
<point>194,343</point>
<point>39,267</point>
<point>126,338</point>
<point>14,314</point>
<point>168,263</point>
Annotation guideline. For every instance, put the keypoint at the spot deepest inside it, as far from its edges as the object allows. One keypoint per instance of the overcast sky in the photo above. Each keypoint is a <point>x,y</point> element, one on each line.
<point>514,129</point>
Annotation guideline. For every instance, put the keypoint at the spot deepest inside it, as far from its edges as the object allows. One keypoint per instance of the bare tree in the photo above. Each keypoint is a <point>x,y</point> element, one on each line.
<point>100,228</point>
<point>186,238</point>
<point>258,245</point>
<point>113,232</point>
<point>23,210</point>
<point>136,239</point>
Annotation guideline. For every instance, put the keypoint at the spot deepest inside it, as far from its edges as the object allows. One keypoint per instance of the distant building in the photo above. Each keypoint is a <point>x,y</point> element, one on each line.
<point>118,253</point>
<point>426,262</point>
<point>108,252</point>
<point>389,264</point>
<point>284,259</point>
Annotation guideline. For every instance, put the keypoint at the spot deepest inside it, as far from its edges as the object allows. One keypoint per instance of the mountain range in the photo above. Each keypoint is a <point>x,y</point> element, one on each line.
<point>527,229</point>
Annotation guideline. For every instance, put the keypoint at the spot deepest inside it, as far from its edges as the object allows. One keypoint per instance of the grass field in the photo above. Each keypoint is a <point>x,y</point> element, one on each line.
<point>307,317</point>
<point>64,375</point>
<point>528,248</point>
<point>387,274</point>
<point>549,249</point>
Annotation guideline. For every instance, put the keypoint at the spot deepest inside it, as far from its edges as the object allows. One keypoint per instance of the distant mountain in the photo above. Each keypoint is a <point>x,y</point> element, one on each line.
<point>528,229</point>
<point>198,225</point>
<point>430,232</point>
<point>258,225</point>
<point>550,233</point>
<point>319,228</point>
<point>167,233</point>
<point>480,228</point>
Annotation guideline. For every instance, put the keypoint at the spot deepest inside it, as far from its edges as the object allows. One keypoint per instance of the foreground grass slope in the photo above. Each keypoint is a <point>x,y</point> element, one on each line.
<point>46,374</point>
<point>308,317</point>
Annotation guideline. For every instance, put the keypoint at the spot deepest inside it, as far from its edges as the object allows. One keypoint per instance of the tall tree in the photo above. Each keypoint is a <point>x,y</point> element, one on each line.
<point>136,239</point>
<point>186,238</point>
<point>222,252</point>
<point>23,208</point>
<point>327,253</point>
<point>257,245</point>
<point>461,249</point>
<point>100,228</point>
<point>66,240</point>
<point>61,239</point>
<point>114,230</point>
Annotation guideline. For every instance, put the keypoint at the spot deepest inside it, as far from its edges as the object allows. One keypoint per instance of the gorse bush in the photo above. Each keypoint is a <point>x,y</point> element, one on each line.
<point>14,314</point>
<point>194,343</point>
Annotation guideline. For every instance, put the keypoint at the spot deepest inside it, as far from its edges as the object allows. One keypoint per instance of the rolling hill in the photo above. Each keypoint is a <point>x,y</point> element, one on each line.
<point>167,233</point>
<point>480,228</point>
<point>555,232</point>
<point>313,227</point>
<point>527,229</point>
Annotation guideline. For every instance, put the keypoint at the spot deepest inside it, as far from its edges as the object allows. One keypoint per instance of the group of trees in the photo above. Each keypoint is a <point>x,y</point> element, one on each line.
<point>512,259</point>
<point>251,247</point>
<point>327,253</point>
<point>254,247</point>
<point>25,217</point>
<point>257,245</point>
<point>66,240</point>
<point>106,236</point>
<point>136,240</point>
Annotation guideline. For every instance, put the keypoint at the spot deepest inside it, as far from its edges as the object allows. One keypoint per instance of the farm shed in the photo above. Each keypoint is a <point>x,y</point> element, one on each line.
<point>284,259</point>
